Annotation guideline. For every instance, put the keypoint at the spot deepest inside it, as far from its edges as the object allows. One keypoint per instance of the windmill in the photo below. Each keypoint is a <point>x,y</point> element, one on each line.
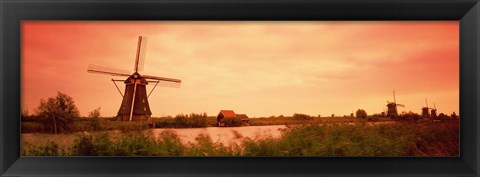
<point>425,110</point>
<point>392,110</point>
<point>134,106</point>
<point>433,112</point>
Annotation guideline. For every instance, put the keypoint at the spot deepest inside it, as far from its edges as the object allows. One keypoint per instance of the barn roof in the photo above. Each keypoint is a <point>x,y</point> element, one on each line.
<point>228,113</point>
<point>242,116</point>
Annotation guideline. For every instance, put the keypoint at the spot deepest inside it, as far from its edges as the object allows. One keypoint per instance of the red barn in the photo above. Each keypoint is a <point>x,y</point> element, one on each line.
<point>230,114</point>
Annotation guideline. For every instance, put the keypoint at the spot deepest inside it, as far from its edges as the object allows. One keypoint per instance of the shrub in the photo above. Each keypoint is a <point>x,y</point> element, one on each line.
<point>360,113</point>
<point>199,120</point>
<point>181,121</point>
<point>443,116</point>
<point>49,149</point>
<point>301,116</point>
<point>410,116</point>
<point>206,147</point>
<point>83,146</point>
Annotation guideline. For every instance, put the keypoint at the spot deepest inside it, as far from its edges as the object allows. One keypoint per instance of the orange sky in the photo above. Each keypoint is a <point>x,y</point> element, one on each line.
<point>256,68</point>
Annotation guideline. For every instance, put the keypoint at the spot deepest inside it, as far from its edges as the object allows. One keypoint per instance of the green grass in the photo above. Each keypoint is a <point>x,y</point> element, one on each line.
<point>87,125</point>
<point>422,138</point>
<point>32,125</point>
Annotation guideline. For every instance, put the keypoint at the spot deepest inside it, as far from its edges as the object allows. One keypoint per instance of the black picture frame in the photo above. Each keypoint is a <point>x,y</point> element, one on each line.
<point>14,11</point>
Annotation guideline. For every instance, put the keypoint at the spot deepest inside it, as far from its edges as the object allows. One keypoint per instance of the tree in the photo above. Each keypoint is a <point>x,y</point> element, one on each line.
<point>360,113</point>
<point>442,116</point>
<point>24,112</point>
<point>454,116</point>
<point>95,113</point>
<point>95,119</point>
<point>58,113</point>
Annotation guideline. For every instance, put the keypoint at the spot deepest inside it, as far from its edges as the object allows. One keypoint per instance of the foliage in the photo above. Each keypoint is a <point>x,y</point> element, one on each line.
<point>409,116</point>
<point>49,149</point>
<point>95,113</point>
<point>58,113</point>
<point>232,122</point>
<point>302,116</point>
<point>454,116</point>
<point>360,113</point>
<point>24,112</point>
<point>405,138</point>
<point>443,116</point>
<point>206,147</point>
<point>190,121</point>
<point>95,119</point>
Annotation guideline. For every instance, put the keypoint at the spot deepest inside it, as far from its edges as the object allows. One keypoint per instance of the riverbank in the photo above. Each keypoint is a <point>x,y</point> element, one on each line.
<point>423,138</point>
<point>107,124</point>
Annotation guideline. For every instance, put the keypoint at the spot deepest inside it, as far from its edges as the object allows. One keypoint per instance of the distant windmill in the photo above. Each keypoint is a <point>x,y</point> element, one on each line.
<point>434,111</point>
<point>425,110</point>
<point>135,105</point>
<point>392,110</point>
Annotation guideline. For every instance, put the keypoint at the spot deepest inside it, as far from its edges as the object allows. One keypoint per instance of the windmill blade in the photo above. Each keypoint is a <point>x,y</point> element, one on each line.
<point>169,84</point>
<point>162,79</point>
<point>133,101</point>
<point>165,83</point>
<point>106,70</point>
<point>394,99</point>
<point>141,49</point>
<point>401,105</point>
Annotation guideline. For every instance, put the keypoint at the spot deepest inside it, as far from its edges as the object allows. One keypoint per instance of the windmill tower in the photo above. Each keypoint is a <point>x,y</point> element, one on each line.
<point>425,110</point>
<point>433,112</point>
<point>392,110</point>
<point>134,106</point>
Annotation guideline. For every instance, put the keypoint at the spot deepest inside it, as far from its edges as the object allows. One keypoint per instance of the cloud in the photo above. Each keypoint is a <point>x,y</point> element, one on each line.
<point>260,68</point>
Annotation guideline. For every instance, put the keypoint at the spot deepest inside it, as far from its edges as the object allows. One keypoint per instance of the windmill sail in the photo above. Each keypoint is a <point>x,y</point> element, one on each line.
<point>106,70</point>
<point>162,79</point>
<point>165,83</point>
<point>141,50</point>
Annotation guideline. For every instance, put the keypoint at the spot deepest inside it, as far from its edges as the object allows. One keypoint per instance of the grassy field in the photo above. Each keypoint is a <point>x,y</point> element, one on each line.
<point>312,120</point>
<point>88,124</point>
<point>404,138</point>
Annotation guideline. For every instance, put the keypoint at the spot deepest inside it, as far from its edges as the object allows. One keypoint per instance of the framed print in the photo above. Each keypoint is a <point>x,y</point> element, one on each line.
<point>242,88</point>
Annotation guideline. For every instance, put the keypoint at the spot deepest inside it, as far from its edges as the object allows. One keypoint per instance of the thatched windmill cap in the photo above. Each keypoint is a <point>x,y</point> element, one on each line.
<point>139,77</point>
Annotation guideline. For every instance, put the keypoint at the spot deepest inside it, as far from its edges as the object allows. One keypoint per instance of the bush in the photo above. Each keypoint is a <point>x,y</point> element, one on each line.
<point>360,113</point>
<point>204,146</point>
<point>301,116</point>
<point>443,116</point>
<point>49,149</point>
<point>410,116</point>
<point>189,121</point>
<point>199,120</point>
